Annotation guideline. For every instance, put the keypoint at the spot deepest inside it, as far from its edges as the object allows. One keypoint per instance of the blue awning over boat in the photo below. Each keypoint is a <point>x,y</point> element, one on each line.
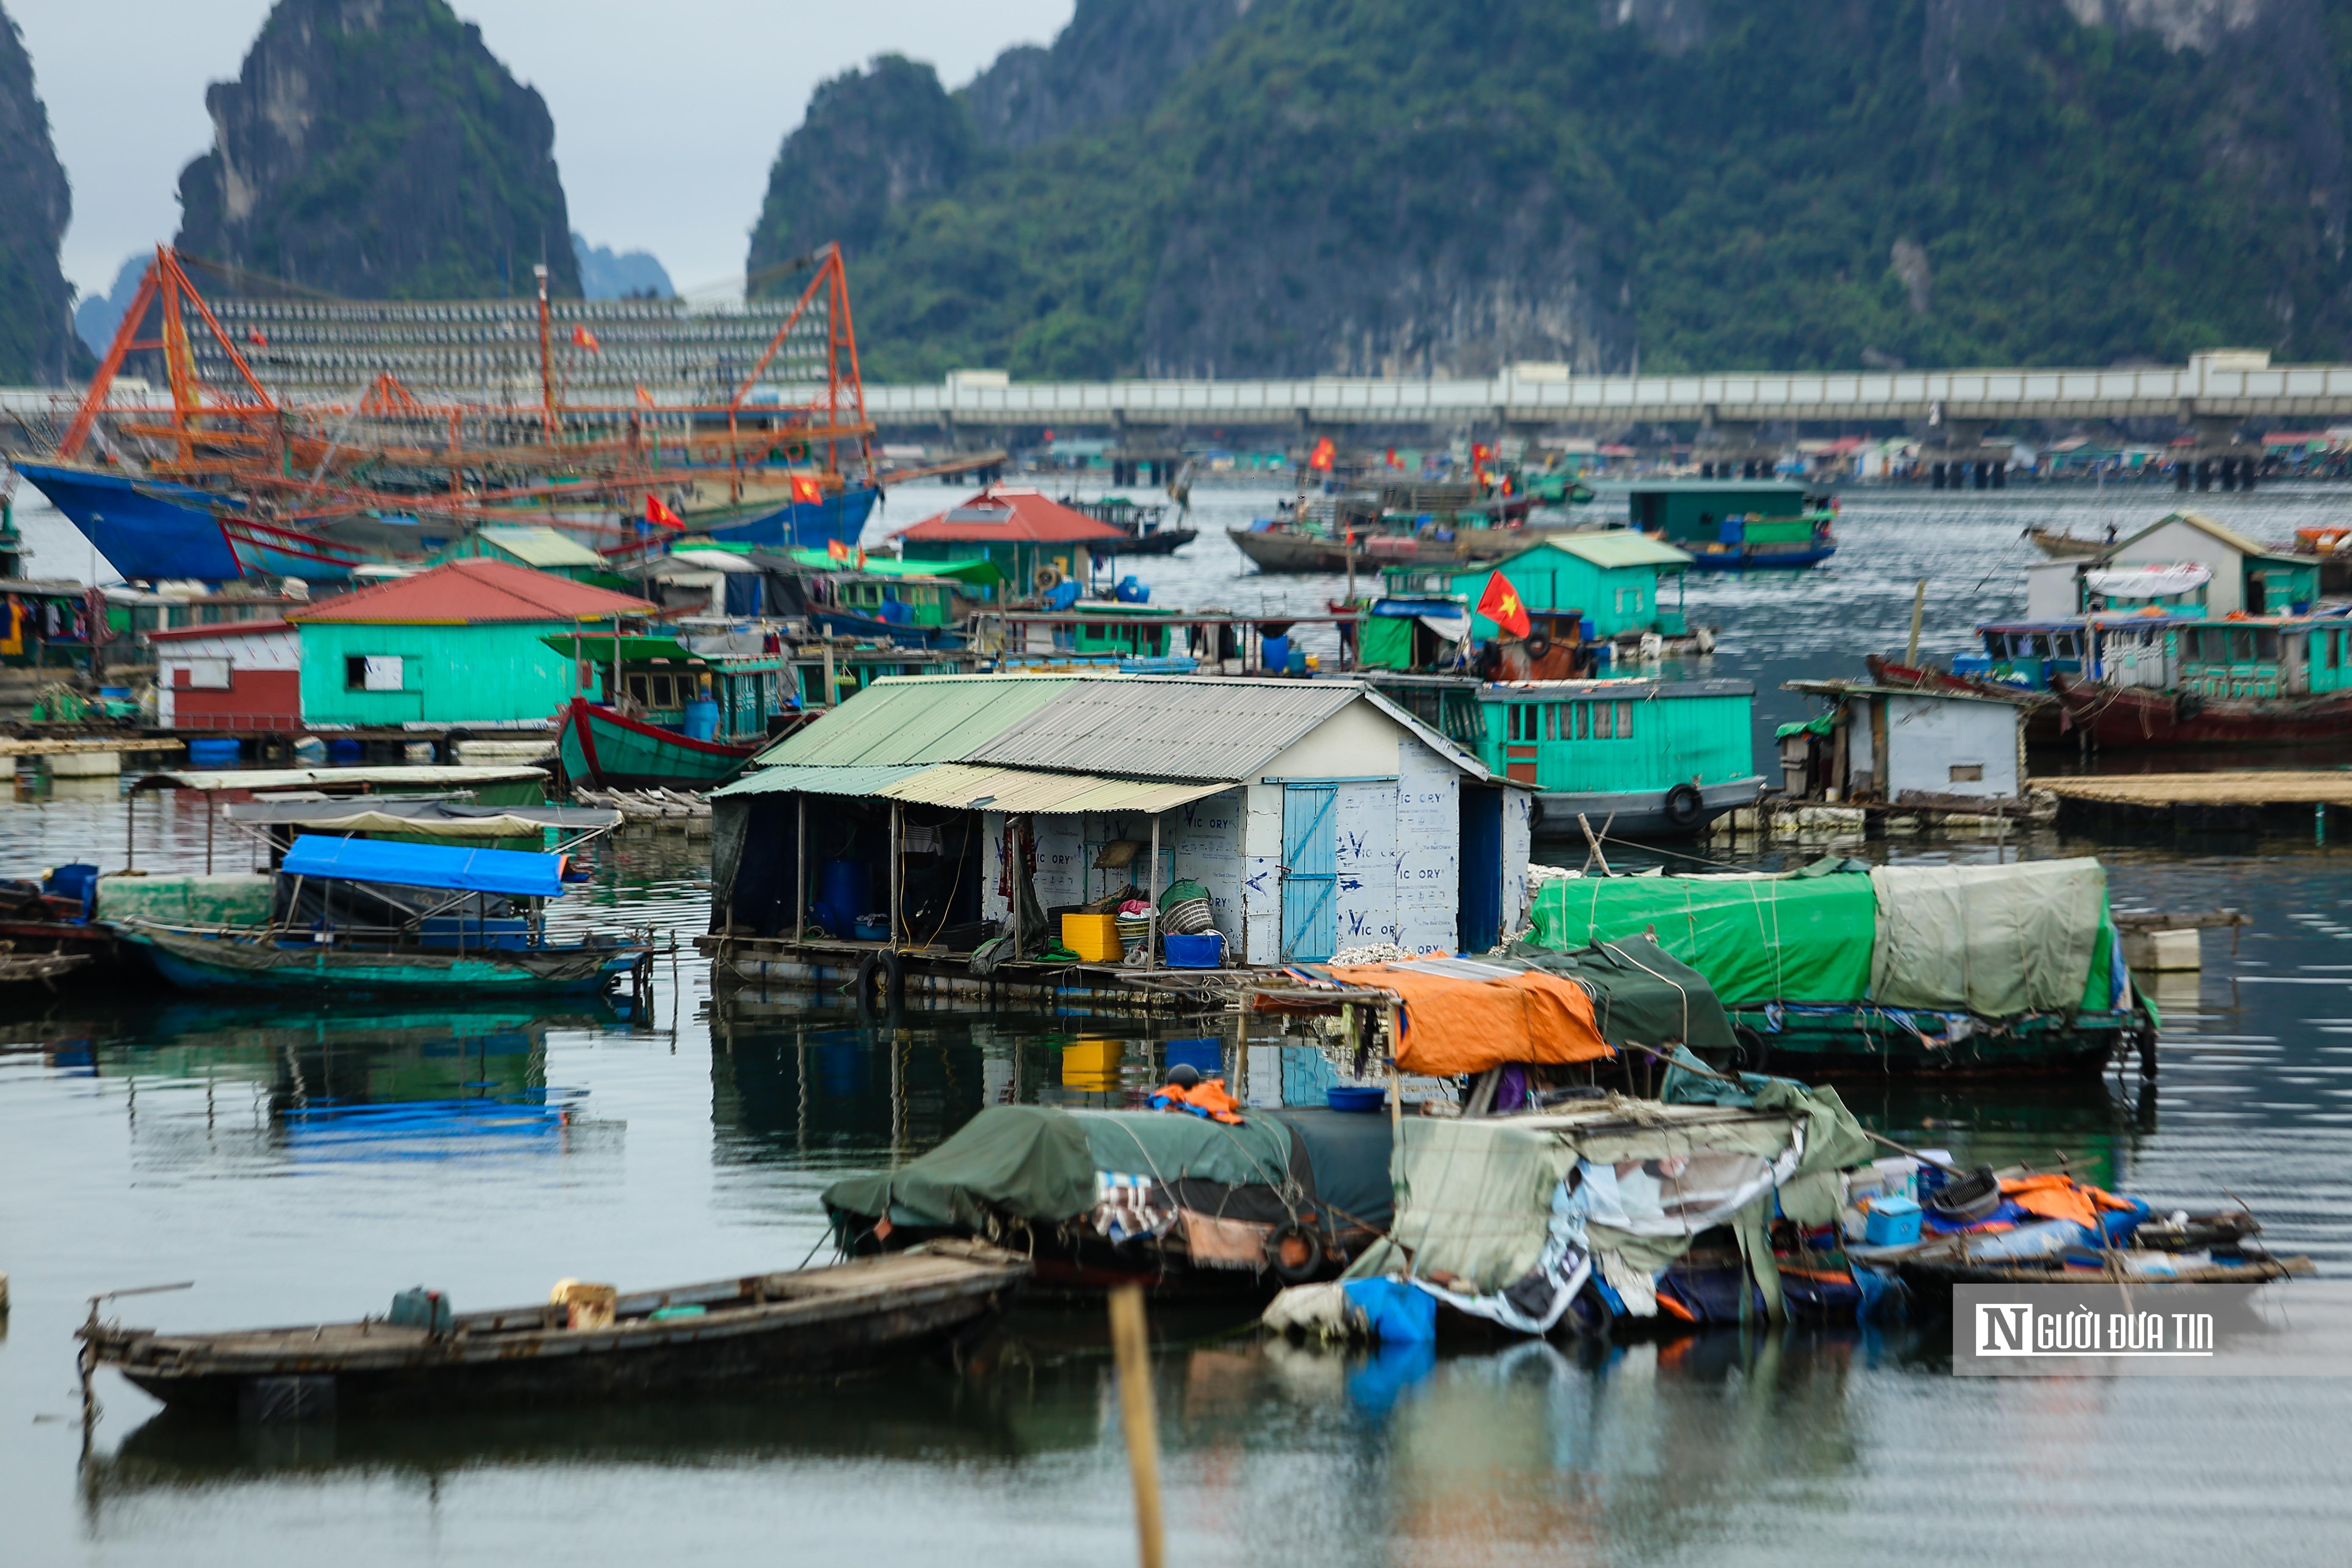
<point>511,871</point>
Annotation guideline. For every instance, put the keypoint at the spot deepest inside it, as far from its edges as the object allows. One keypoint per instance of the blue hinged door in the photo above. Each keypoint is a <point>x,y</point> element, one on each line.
<point>1310,870</point>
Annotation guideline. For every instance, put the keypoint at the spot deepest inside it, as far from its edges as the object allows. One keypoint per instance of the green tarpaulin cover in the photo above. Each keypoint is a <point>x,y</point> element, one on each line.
<point>1026,1160</point>
<point>1641,994</point>
<point>1756,938</point>
<point>1822,725</point>
<point>1170,1146</point>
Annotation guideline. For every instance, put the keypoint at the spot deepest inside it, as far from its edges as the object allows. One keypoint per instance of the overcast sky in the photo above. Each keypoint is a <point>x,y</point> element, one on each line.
<point>666,117</point>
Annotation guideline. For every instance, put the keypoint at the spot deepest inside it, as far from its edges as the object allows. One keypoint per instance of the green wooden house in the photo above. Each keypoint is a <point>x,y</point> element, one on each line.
<point>461,643</point>
<point>1619,581</point>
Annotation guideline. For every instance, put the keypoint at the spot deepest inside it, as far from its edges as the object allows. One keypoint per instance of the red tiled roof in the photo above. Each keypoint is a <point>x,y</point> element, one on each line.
<point>220,629</point>
<point>1027,516</point>
<point>464,592</point>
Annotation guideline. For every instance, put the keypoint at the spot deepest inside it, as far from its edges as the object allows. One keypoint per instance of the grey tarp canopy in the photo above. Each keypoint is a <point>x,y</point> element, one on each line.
<point>1996,941</point>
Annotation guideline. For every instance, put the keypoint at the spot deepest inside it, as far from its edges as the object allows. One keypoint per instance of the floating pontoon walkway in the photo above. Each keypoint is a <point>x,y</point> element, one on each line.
<point>2218,800</point>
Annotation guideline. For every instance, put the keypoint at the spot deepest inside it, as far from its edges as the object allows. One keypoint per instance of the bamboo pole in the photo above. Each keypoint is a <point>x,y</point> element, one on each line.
<point>1919,611</point>
<point>1132,1351</point>
<point>898,861</point>
<point>800,874</point>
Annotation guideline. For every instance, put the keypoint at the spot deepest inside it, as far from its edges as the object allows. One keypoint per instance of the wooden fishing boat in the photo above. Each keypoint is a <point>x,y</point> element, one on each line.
<point>2125,716</point>
<point>2204,1249</point>
<point>604,750</point>
<point>2062,545</point>
<point>356,914</point>
<point>711,1337</point>
<point>232,959</point>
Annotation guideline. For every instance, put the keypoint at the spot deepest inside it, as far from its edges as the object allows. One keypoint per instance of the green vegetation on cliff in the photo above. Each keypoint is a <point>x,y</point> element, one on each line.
<point>36,342</point>
<point>1389,186</point>
<point>377,149</point>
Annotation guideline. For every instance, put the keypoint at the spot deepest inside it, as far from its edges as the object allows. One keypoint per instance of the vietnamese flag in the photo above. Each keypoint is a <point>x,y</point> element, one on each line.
<point>1321,458</point>
<point>807,488</point>
<point>836,550</point>
<point>658,513</point>
<point>1500,603</point>
<point>582,338</point>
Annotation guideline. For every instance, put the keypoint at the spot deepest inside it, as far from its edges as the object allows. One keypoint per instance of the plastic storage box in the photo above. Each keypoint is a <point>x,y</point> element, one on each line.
<point>1892,1222</point>
<point>1204,951</point>
<point>1094,938</point>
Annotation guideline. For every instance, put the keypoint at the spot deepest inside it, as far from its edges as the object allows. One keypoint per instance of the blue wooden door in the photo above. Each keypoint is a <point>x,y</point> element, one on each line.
<point>1310,870</point>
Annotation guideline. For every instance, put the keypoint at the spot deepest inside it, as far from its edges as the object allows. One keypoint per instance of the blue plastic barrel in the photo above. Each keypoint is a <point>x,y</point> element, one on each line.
<point>310,752</point>
<point>841,894</point>
<point>703,720</point>
<point>346,752</point>
<point>1275,654</point>
<point>214,754</point>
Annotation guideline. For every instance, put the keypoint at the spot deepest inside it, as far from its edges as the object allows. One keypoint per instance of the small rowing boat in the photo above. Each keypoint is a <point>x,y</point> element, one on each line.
<point>720,1335</point>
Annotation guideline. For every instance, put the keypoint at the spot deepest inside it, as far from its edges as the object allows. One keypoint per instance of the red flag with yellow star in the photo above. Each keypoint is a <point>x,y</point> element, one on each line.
<point>1500,603</point>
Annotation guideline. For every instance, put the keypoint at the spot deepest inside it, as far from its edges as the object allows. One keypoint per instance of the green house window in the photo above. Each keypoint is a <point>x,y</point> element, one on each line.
<point>374,672</point>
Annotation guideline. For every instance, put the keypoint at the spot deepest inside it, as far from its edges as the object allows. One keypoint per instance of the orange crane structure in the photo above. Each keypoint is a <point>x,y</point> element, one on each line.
<point>300,424</point>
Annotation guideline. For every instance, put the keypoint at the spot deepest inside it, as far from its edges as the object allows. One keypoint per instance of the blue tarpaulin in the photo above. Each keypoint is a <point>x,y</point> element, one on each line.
<point>511,871</point>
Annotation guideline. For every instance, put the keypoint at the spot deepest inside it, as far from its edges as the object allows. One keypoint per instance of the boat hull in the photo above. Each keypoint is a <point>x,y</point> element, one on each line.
<point>757,1328</point>
<point>1637,814</point>
<point>605,751</point>
<point>795,525</point>
<point>1274,550</point>
<point>841,624</point>
<point>2121,718</point>
<point>196,961</point>
<point>1747,560</point>
<point>148,529</point>
<point>1160,541</point>
<point>1877,1040</point>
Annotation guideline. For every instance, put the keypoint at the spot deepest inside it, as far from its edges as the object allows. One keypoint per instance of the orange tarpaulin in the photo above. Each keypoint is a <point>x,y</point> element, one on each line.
<point>2057,1197</point>
<point>1457,1026</point>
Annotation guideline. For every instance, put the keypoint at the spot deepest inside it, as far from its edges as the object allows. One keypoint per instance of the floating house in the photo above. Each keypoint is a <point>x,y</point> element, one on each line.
<point>237,675</point>
<point>1638,758</point>
<point>1898,744</point>
<point>1316,816</point>
<point>461,643</point>
<point>1037,542</point>
<point>1616,581</point>
<point>1736,525</point>
<point>2184,564</point>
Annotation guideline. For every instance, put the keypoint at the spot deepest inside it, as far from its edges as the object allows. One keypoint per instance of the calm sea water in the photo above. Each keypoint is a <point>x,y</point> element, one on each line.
<point>305,1162</point>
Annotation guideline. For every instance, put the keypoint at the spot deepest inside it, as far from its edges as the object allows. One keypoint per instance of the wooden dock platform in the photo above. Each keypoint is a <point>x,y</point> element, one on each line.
<point>2236,801</point>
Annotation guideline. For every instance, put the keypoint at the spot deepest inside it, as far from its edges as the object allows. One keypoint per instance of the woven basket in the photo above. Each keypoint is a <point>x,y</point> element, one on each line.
<point>1188,917</point>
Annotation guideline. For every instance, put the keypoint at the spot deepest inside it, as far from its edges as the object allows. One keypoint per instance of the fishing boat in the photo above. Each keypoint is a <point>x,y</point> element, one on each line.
<point>1146,527</point>
<point>605,749</point>
<point>1632,758</point>
<point>1737,525</point>
<point>2062,545</point>
<point>357,914</point>
<point>715,1336</point>
<point>1184,1205</point>
<point>1915,969</point>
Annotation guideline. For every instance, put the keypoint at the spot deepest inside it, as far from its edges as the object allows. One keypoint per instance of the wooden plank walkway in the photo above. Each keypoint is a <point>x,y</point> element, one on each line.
<point>2161,791</point>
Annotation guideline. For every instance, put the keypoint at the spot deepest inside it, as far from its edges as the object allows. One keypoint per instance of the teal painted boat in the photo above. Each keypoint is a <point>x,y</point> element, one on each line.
<point>605,751</point>
<point>357,914</point>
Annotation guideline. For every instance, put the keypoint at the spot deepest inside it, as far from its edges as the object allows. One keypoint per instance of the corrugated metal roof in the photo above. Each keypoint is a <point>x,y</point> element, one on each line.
<point>917,718</point>
<point>821,781</point>
<point>1208,728</point>
<point>1620,547</point>
<point>472,591</point>
<point>1020,789</point>
<point>541,547</point>
<point>966,787</point>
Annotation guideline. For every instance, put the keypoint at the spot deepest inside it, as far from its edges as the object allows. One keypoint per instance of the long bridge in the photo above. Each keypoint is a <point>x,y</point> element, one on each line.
<point>2213,394</point>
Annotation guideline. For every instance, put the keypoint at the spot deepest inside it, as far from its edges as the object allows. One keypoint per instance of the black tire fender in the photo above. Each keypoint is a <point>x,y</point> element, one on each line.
<point>881,981</point>
<point>1686,807</point>
<point>1294,1252</point>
